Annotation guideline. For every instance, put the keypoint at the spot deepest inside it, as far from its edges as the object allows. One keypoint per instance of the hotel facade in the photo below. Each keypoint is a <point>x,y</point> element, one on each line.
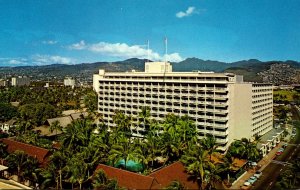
<point>220,104</point>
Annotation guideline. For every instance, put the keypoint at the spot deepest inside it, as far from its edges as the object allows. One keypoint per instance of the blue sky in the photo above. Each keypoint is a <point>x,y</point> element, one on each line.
<point>40,32</point>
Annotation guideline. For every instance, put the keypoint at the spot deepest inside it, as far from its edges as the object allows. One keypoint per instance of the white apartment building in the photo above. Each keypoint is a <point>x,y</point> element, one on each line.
<point>220,104</point>
<point>68,81</point>
<point>20,81</point>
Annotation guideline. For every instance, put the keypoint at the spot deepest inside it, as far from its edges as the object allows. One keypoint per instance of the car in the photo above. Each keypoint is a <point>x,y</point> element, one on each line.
<point>257,174</point>
<point>247,183</point>
<point>250,163</point>
<point>252,180</point>
<point>281,149</point>
<point>278,153</point>
<point>245,187</point>
<point>284,145</point>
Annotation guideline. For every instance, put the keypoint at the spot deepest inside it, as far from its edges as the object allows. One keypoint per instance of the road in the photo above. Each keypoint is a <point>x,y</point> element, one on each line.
<point>272,171</point>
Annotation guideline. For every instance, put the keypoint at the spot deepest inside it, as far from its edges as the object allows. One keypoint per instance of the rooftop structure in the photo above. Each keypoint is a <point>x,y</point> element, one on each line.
<point>156,180</point>
<point>39,153</point>
<point>220,104</point>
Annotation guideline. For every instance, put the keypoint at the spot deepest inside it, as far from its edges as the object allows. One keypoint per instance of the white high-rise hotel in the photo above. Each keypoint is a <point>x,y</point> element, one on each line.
<point>219,103</point>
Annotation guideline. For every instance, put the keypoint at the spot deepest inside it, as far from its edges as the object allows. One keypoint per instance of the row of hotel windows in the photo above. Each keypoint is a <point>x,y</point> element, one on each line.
<point>262,95</point>
<point>161,97</point>
<point>209,122</point>
<point>262,90</point>
<point>170,91</point>
<point>268,127</point>
<point>263,100</point>
<point>210,125</point>
<point>157,84</point>
<point>262,105</point>
<point>138,104</point>
<point>269,117</point>
<point>262,110</point>
<point>169,110</point>
<point>167,92</point>
<point>143,77</point>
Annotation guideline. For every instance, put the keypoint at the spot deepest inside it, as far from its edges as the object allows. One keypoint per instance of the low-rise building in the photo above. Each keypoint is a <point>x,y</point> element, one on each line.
<point>20,81</point>
<point>69,81</point>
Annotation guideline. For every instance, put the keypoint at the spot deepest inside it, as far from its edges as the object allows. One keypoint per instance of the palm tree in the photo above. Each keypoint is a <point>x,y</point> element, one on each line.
<point>16,162</point>
<point>151,147</point>
<point>251,151</point>
<point>170,147</point>
<point>55,126</point>
<point>187,129</point>
<point>196,163</point>
<point>3,152</point>
<point>100,181</point>
<point>78,170</point>
<point>209,143</point>
<point>126,151</point>
<point>237,149</point>
<point>213,173</point>
<point>145,115</point>
<point>77,134</point>
<point>123,122</point>
<point>30,170</point>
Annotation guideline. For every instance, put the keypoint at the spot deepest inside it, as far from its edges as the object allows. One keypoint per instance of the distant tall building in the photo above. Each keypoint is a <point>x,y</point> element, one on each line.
<point>20,81</point>
<point>220,104</point>
<point>4,82</point>
<point>68,81</point>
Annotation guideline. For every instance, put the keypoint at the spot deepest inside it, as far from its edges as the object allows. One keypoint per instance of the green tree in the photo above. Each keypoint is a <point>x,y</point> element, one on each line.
<point>123,122</point>
<point>3,152</point>
<point>91,101</point>
<point>7,111</point>
<point>175,185</point>
<point>209,143</point>
<point>196,162</point>
<point>78,170</point>
<point>144,116</point>
<point>55,126</point>
<point>101,181</point>
<point>17,162</point>
<point>124,150</point>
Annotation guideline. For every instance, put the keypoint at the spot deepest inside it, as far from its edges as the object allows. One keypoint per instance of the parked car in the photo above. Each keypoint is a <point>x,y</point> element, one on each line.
<point>281,149</point>
<point>247,183</point>
<point>250,163</point>
<point>245,187</point>
<point>284,145</point>
<point>278,153</point>
<point>252,180</point>
<point>257,174</point>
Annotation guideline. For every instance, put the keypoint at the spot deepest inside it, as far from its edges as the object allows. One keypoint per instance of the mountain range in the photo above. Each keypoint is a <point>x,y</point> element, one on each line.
<point>248,68</point>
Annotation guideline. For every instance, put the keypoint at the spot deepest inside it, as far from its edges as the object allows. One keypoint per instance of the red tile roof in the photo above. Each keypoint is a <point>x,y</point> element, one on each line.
<point>175,171</point>
<point>40,153</point>
<point>129,180</point>
<point>156,180</point>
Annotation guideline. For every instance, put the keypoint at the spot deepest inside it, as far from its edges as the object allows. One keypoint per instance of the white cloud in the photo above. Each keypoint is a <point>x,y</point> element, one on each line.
<point>48,59</point>
<point>50,42</point>
<point>14,62</point>
<point>188,12</point>
<point>78,46</point>
<point>174,57</point>
<point>123,50</point>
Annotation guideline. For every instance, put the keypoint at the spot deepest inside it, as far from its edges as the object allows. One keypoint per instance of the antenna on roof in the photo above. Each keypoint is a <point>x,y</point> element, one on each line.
<point>148,44</point>
<point>166,48</point>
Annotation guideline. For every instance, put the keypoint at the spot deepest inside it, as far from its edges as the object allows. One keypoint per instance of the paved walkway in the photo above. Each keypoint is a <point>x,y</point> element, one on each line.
<point>261,166</point>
